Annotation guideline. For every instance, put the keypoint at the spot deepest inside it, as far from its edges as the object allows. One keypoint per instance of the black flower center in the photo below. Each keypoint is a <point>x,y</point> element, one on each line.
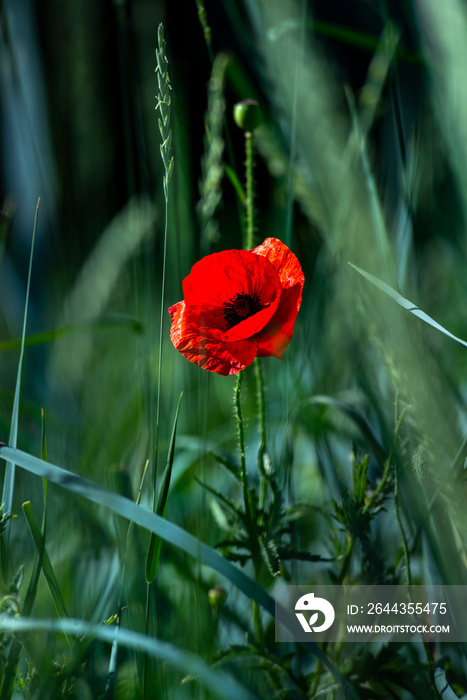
<point>240,307</point>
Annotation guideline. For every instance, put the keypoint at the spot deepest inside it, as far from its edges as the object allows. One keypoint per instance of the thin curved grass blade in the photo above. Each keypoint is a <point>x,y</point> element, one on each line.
<point>32,588</point>
<point>112,672</point>
<point>47,568</point>
<point>171,533</point>
<point>44,481</point>
<point>9,480</point>
<point>219,683</point>
<point>407,305</point>
<point>154,549</point>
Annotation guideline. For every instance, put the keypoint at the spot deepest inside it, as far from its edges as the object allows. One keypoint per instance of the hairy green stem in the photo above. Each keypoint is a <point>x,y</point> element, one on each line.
<point>260,402</point>
<point>241,445</point>
<point>249,517</point>
<point>250,225</point>
<point>262,430</point>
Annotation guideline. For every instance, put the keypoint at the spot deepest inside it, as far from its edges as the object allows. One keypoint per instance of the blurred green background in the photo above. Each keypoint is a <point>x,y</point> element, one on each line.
<point>360,158</point>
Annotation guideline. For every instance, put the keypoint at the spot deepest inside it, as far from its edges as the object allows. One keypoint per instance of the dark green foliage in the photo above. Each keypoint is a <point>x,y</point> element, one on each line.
<point>360,157</point>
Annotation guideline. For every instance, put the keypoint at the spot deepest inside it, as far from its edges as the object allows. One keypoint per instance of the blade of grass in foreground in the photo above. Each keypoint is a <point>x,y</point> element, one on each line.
<point>7,683</point>
<point>112,673</point>
<point>171,533</point>
<point>154,550</point>
<point>9,480</point>
<point>406,304</point>
<point>219,683</point>
<point>45,560</point>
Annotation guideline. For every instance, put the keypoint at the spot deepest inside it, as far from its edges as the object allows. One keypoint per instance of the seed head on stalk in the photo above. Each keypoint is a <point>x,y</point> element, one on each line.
<point>164,100</point>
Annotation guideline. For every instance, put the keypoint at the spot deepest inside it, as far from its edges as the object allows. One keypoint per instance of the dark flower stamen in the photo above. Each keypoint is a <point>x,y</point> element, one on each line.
<point>240,307</point>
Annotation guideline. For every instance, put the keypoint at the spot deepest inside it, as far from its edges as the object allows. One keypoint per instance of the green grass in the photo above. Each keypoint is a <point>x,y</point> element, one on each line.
<point>351,463</point>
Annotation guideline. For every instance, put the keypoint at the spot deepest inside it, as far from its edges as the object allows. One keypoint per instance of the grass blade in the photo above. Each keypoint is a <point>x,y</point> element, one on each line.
<point>46,564</point>
<point>32,589</point>
<point>152,561</point>
<point>11,667</point>
<point>112,672</point>
<point>9,481</point>
<point>44,481</point>
<point>171,533</point>
<point>407,305</point>
<point>219,683</point>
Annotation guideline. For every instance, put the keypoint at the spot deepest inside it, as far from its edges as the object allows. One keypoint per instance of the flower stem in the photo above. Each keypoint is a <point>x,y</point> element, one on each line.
<point>250,225</point>
<point>241,445</point>
<point>260,401</point>
<point>262,430</point>
<point>249,518</point>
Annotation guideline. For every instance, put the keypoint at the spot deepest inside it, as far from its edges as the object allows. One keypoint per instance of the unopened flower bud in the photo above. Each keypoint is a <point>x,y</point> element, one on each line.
<point>247,115</point>
<point>217,597</point>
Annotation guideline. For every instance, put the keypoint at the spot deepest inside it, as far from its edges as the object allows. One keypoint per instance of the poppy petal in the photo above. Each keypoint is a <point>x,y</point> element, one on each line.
<point>275,336</point>
<point>284,261</point>
<point>217,278</point>
<point>205,346</point>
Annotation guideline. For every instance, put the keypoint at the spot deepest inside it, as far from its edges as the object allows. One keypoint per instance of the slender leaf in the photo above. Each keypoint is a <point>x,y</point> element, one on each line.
<point>32,589</point>
<point>44,481</point>
<point>112,672</point>
<point>227,463</point>
<point>408,305</point>
<point>232,175</point>
<point>46,563</point>
<point>220,497</point>
<point>169,532</point>
<point>219,683</point>
<point>7,681</point>
<point>9,480</point>
<point>154,549</point>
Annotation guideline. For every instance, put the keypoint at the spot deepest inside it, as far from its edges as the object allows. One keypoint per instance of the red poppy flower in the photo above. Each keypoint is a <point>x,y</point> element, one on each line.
<point>238,304</point>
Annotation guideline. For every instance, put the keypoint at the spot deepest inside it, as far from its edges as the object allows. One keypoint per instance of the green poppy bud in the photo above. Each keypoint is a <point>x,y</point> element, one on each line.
<point>217,597</point>
<point>247,115</point>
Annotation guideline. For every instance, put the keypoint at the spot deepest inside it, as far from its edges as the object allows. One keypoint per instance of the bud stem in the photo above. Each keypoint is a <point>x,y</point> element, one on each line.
<point>250,221</point>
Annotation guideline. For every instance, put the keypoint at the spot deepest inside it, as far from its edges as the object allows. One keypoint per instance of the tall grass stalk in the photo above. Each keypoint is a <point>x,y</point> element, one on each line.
<point>205,26</point>
<point>164,100</point>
